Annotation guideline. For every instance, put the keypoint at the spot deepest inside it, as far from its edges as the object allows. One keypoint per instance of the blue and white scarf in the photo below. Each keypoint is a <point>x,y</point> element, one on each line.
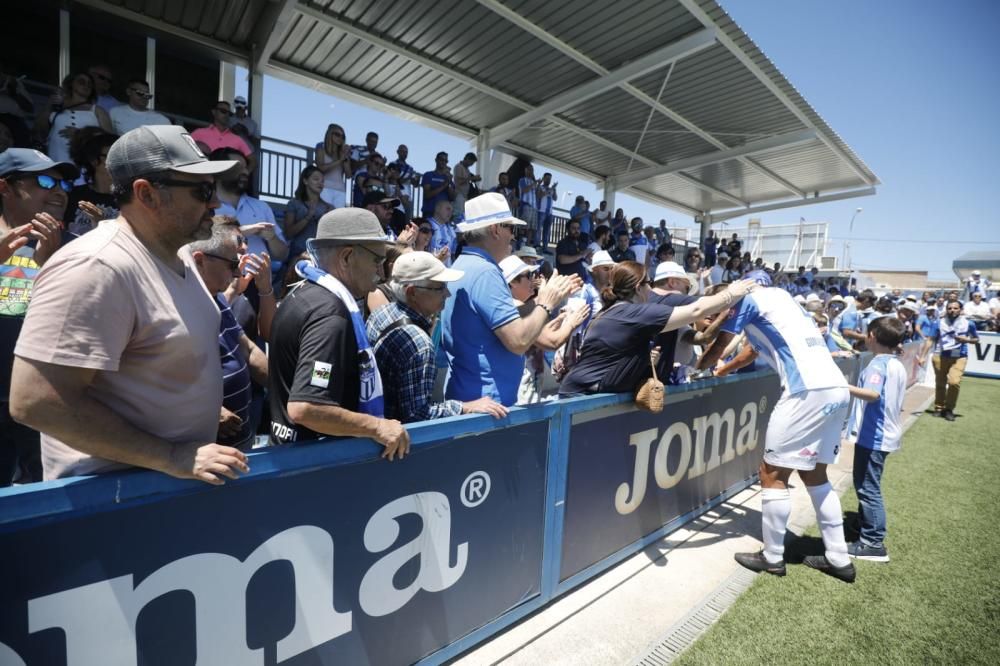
<point>948,344</point>
<point>371,400</point>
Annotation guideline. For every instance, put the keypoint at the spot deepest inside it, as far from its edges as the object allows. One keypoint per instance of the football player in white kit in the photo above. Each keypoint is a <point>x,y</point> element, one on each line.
<point>804,432</point>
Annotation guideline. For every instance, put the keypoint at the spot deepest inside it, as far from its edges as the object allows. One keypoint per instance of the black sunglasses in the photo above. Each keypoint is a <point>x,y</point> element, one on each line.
<point>234,264</point>
<point>47,182</point>
<point>201,190</point>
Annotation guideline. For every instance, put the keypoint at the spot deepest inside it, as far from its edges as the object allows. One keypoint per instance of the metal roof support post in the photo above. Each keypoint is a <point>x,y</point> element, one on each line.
<point>704,222</point>
<point>488,161</point>
<point>64,69</point>
<point>609,194</point>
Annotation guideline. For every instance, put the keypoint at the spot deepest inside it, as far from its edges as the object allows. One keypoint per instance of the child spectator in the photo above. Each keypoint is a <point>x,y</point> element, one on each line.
<point>879,430</point>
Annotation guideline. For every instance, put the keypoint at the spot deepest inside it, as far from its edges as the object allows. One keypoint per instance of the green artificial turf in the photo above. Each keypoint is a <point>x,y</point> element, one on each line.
<point>936,602</point>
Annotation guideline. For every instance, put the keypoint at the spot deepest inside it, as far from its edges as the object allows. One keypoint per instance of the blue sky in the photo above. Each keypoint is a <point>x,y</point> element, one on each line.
<point>910,86</point>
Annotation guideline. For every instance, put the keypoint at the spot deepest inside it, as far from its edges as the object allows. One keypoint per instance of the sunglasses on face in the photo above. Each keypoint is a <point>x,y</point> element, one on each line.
<point>47,182</point>
<point>201,190</point>
<point>234,264</point>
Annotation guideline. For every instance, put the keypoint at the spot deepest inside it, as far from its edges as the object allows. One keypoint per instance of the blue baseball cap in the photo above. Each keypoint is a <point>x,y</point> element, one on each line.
<point>26,160</point>
<point>760,277</point>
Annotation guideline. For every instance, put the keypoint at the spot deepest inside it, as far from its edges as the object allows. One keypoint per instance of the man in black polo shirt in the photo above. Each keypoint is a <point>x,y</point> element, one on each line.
<point>323,379</point>
<point>572,251</point>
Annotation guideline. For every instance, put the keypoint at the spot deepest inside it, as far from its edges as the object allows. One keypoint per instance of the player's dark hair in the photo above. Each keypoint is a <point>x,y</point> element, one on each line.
<point>887,331</point>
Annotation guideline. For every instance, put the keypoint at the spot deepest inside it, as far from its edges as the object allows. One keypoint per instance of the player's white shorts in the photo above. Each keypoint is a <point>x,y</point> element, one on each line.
<point>805,428</point>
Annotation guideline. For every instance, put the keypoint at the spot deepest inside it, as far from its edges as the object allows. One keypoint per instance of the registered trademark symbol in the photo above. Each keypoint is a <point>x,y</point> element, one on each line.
<point>762,405</point>
<point>475,489</point>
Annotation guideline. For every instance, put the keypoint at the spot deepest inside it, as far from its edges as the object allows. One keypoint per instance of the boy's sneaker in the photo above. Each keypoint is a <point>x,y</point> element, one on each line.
<point>757,562</point>
<point>819,562</point>
<point>863,551</point>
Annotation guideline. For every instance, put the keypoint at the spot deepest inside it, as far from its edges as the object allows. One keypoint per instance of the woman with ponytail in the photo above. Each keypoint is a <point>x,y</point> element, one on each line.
<point>615,353</point>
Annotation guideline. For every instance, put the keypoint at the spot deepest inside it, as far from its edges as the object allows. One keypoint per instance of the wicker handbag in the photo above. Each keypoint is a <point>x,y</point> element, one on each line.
<point>650,394</point>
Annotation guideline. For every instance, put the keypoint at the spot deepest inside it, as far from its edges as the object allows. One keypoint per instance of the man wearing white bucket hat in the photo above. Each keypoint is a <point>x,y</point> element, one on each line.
<point>483,335</point>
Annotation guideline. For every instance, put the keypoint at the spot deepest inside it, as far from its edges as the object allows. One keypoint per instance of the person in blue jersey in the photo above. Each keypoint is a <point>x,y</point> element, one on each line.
<point>877,421</point>
<point>803,434</point>
<point>950,341</point>
<point>926,325</point>
<point>484,337</point>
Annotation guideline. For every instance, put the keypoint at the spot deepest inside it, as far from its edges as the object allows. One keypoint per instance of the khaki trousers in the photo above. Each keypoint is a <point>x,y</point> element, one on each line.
<point>947,377</point>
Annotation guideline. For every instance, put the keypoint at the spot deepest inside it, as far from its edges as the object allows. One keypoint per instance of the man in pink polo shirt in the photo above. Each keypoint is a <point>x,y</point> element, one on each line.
<point>219,135</point>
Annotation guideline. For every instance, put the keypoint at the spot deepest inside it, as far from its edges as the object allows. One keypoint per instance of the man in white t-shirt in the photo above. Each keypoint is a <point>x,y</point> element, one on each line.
<point>134,113</point>
<point>117,363</point>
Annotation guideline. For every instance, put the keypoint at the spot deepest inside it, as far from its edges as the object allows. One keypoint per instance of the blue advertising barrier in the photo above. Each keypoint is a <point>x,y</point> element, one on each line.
<point>327,554</point>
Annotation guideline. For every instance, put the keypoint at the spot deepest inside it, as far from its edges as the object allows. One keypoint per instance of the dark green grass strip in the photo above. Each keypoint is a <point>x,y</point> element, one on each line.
<point>936,602</point>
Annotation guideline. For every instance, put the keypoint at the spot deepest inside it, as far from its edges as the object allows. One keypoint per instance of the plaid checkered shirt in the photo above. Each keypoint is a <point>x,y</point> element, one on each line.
<point>405,357</point>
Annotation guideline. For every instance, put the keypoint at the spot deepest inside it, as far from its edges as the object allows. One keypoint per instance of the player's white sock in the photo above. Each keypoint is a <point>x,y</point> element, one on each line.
<point>831,523</point>
<point>777,506</point>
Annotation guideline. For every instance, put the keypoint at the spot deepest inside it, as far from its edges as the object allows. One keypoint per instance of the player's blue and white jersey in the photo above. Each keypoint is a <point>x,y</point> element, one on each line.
<point>787,338</point>
<point>878,423</point>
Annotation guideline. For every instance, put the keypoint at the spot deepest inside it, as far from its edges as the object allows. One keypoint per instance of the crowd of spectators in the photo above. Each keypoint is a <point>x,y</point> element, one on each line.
<point>156,314</point>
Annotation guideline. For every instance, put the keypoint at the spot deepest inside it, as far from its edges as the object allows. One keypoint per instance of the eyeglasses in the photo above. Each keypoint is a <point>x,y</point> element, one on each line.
<point>234,264</point>
<point>202,190</point>
<point>47,182</point>
<point>139,93</point>
<point>378,257</point>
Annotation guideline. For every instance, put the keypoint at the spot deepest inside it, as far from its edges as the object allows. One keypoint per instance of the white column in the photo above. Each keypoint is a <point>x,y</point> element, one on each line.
<point>609,195</point>
<point>64,69</point>
<point>227,81</point>
<point>151,67</point>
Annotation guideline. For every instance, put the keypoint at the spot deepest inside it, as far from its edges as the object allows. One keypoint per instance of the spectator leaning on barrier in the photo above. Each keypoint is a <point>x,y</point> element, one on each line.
<point>671,286</point>
<point>803,433</point>
<point>951,353</point>
<point>400,334</point>
<point>218,262</point>
<point>32,201</point>
<point>483,335</point>
<point>977,309</point>
<point>118,360</point>
<point>615,354</point>
<point>135,112</point>
<point>324,379</point>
